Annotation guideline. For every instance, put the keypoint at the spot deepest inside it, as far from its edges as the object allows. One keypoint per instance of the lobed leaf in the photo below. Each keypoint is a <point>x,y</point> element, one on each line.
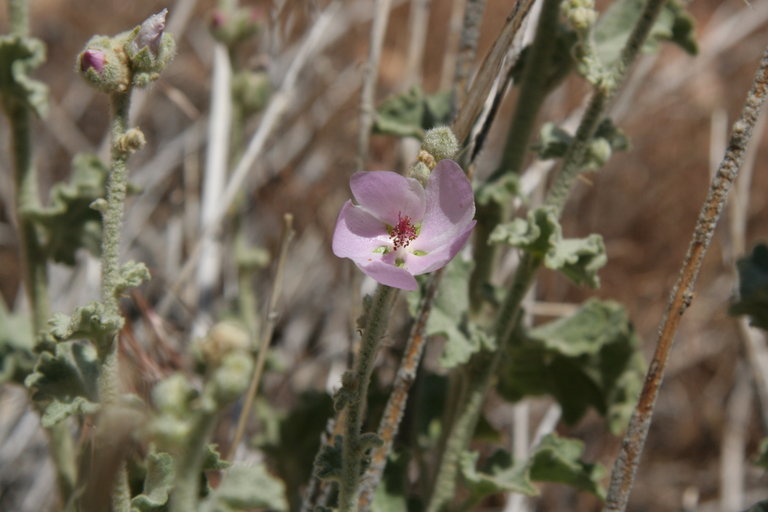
<point>541,235</point>
<point>588,359</point>
<point>558,459</point>
<point>411,113</point>
<point>69,222</point>
<point>19,56</point>
<point>64,382</point>
<point>245,488</point>
<point>158,484</point>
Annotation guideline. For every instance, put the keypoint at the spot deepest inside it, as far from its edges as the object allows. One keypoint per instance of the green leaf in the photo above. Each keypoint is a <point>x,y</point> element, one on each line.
<point>19,56</point>
<point>246,488</point>
<point>17,357</point>
<point>157,484</point>
<point>541,235</point>
<point>612,30</point>
<point>753,287</point>
<point>501,475</point>
<point>132,274</point>
<point>327,465</point>
<point>64,383</point>
<point>69,223</point>
<point>212,460</point>
<point>588,359</point>
<point>411,113</point>
<point>90,322</point>
<point>554,142</point>
<point>557,459</point>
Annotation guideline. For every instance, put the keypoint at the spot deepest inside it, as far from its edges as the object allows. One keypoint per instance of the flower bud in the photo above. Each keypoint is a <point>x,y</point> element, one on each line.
<point>251,90</point>
<point>149,49</point>
<point>150,34</point>
<point>104,66</point>
<point>441,143</point>
<point>233,27</point>
<point>222,339</point>
<point>231,379</point>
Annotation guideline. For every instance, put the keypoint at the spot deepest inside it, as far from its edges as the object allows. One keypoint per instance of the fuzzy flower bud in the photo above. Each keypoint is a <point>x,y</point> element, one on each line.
<point>233,27</point>
<point>150,34</point>
<point>251,90</point>
<point>103,65</point>
<point>223,338</point>
<point>149,49</point>
<point>441,143</point>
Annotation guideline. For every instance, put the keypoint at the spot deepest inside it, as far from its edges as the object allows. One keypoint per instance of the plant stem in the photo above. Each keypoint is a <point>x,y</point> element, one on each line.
<point>481,371</point>
<point>625,467</point>
<point>533,91</point>
<point>395,408</point>
<point>117,185</point>
<point>352,449</point>
<point>190,460</point>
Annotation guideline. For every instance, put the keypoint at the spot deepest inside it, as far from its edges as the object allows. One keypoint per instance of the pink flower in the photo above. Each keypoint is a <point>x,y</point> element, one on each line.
<point>397,229</point>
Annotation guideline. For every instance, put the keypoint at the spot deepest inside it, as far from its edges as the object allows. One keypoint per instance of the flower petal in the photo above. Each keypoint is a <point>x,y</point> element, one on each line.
<point>358,234</point>
<point>387,194</point>
<point>450,207</point>
<point>390,275</point>
<point>438,257</point>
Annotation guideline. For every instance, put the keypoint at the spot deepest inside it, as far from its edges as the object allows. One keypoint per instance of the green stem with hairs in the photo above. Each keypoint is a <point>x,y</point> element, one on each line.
<point>533,92</point>
<point>480,373</point>
<point>352,447</point>
<point>482,367</point>
<point>190,461</point>
<point>117,186</point>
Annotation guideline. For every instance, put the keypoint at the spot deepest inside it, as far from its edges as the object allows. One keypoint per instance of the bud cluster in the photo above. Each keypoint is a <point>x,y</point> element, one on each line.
<point>133,58</point>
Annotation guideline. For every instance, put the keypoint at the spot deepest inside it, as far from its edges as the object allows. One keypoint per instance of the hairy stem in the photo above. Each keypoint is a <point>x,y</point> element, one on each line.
<point>117,185</point>
<point>190,460</point>
<point>395,408</point>
<point>533,91</point>
<point>352,448</point>
<point>625,467</point>
<point>480,371</point>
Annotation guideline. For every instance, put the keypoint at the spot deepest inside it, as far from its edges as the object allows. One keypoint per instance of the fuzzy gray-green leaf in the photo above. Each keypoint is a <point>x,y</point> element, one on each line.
<point>69,222</point>
<point>19,56</point>
<point>588,359</point>
<point>558,459</point>
<point>64,383</point>
<point>245,488</point>
<point>157,484</point>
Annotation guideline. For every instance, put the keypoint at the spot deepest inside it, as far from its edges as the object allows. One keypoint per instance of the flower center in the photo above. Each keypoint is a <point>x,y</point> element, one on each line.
<point>403,233</point>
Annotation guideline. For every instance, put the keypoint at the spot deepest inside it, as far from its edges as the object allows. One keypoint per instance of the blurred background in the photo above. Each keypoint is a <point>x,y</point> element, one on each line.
<point>676,110</point>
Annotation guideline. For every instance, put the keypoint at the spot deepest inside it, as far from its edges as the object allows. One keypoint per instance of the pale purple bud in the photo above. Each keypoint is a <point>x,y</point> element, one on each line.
<point>92,59</point>
<point>150,34</point>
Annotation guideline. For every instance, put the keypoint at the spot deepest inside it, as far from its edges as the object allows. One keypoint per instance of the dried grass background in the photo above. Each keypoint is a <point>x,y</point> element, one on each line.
<point>644,202</point>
